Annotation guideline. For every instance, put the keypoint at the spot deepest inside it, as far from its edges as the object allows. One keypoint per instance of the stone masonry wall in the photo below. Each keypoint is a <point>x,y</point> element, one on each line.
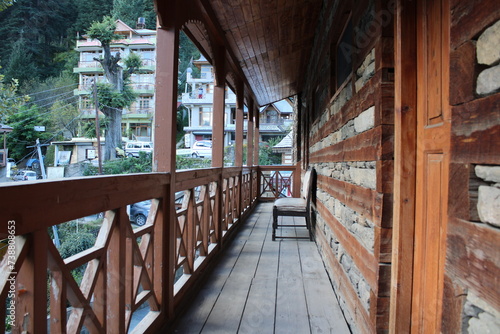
<point>473,240</point>
<point>349,144</point>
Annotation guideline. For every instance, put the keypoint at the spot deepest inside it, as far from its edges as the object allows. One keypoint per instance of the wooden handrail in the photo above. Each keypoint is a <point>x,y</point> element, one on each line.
<point>123,270</point>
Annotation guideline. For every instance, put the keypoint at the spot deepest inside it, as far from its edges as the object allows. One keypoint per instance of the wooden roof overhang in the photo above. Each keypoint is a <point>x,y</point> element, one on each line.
<point>266,44</point>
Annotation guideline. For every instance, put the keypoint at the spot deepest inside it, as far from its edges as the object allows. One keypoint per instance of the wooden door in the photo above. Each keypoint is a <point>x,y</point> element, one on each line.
<point>433,138</point>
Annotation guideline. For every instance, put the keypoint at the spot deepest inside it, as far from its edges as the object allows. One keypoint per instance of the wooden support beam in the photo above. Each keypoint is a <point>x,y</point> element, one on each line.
<point>218,110</point>
<point>256,136</point>
<point>238,147</point>
<point>164,161</point>
<point>405,124</point>
<point>250,141</point>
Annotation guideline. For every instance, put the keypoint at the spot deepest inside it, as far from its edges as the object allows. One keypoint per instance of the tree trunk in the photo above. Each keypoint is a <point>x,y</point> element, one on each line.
<point>113,132</point>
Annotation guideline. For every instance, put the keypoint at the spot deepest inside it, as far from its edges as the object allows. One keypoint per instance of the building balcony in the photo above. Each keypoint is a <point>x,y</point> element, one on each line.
<point>91,66</point>
<point>204,78</point>
<point>138,279</point>
<point>140,111</point>
<point>149,65</point>
<point>143,88</point>
<point>205,98</point>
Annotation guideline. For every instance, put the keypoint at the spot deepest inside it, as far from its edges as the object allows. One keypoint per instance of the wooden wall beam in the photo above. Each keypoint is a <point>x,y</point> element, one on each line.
<point>405,124</point>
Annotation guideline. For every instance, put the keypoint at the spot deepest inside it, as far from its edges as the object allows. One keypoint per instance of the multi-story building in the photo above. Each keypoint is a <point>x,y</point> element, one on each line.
<point>275,119</point>
<point>137,119</point>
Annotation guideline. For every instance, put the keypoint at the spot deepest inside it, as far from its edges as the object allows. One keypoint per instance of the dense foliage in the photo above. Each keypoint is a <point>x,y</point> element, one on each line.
<point>24,133</point>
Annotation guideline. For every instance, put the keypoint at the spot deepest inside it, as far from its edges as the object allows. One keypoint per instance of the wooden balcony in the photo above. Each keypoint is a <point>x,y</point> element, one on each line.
<point>147,273</point>
<point>265,286</point>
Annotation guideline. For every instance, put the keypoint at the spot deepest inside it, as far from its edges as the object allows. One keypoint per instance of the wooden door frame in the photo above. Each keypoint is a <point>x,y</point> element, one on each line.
<point>408,109</point>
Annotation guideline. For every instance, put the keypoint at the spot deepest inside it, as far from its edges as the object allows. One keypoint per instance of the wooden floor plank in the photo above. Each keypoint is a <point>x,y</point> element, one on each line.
<point>291,309</point>
<point>324,311</point>
<point>258,316</point>
<point>261,286</point>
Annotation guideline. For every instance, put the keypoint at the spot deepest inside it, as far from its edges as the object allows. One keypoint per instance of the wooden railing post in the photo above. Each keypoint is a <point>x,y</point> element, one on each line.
<point>116,276</point>
<point>31,310</point>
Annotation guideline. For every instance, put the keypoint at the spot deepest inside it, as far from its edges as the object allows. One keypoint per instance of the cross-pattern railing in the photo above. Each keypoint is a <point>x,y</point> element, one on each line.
<point>127,268</point>
<point>278,181</point>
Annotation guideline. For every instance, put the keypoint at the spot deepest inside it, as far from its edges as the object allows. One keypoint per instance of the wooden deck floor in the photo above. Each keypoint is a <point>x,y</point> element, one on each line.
<point>261,286</point>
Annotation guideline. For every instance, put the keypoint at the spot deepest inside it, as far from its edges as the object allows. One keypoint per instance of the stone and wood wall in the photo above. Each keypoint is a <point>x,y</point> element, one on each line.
<point>348,138</point>
<point>346,132</point>
<point>472,278</point>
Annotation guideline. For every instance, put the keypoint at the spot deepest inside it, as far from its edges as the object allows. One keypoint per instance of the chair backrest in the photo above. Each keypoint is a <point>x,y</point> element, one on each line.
<point>306,185</point>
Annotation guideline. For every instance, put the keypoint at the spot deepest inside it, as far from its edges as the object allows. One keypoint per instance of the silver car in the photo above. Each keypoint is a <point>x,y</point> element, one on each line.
<point>25,175</point>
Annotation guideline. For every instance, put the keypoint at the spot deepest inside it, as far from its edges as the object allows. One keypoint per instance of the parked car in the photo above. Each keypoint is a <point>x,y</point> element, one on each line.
<point>139,212</point>
<point>202,149</point>
<point>25,175</point>
<point>133,148</point>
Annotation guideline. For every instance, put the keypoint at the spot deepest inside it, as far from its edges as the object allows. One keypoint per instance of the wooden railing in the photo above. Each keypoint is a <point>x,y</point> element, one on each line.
<point>127,269</point>
<point>278,181</point>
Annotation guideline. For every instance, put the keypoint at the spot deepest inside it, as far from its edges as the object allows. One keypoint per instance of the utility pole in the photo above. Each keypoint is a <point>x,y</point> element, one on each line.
<point>97,128</point>
<point>40,157</point>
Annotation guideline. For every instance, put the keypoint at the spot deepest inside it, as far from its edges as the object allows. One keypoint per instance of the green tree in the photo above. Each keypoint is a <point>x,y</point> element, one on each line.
<point>43,26</point>
<point>89,11</point>
<point>24,134</point>
<point>21,64</point>
<point>266,154</point>
<point>63,118</point>
<point>5,3</point>
<point>115,96</point>
<point>128,11</point>
<point>10,102</point>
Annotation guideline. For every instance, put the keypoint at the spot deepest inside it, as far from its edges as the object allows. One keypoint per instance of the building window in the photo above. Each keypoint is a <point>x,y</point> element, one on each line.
<point>343,55</point>
<point>145,102</point>
<point>86,103</point>
<point>271,116</point>
<point>206,116</point>
<point>87,81</point>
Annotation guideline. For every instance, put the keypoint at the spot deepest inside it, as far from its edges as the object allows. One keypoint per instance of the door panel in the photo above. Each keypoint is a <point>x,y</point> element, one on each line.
<point>433,138</point>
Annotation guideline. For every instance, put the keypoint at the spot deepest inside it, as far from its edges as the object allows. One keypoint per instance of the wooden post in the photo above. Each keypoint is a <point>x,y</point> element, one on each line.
<point>238,147</point>
<point>31,311</point>
<point>164,161</point>
<point>250,140</point>
<point>256,136</point>
<point>405,124</point>
<point>218,111</point>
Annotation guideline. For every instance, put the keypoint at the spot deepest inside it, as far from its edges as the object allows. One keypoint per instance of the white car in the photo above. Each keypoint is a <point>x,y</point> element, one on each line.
<point>202,149</point>
<point>25,175</point>
<point>133,148</point>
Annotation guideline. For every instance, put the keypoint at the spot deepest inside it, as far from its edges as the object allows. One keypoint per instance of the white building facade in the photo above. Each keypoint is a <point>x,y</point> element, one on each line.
<point>137,119</point>
<point>275,119</point>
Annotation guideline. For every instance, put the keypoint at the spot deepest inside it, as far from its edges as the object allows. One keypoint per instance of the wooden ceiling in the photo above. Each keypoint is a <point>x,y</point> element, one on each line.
<point>268,42</point>
<point>272,41</point>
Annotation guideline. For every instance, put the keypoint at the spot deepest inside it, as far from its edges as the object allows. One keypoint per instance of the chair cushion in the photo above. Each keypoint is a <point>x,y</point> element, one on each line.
<point>291,204</point>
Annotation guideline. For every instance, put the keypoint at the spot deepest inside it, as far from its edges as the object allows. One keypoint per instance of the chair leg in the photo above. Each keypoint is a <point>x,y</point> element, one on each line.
<point>275,222</point>
<point>308,224</point>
